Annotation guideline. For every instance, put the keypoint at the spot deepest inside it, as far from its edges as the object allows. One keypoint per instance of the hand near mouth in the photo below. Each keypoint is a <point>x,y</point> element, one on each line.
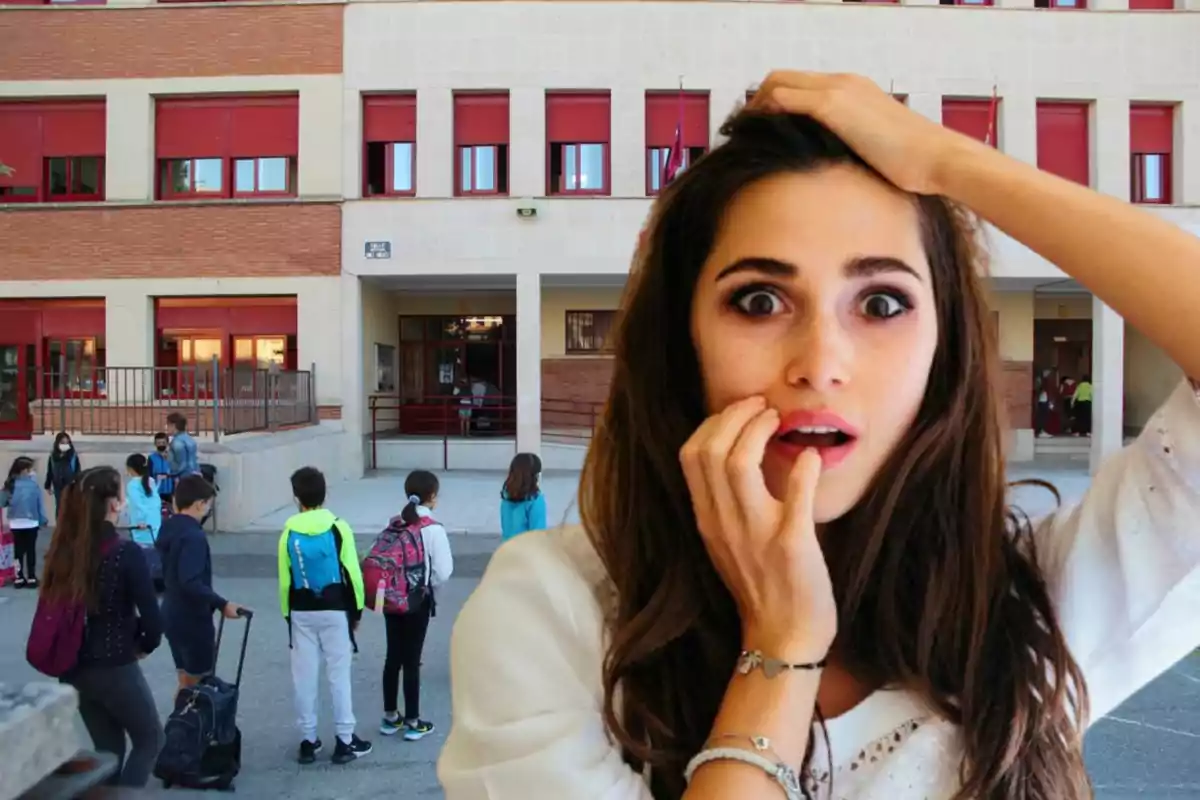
<point>766,551</point>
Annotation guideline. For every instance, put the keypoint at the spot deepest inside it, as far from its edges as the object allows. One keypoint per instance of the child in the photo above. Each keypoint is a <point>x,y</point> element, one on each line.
<point>522,504</point>
<point>189,600</point>
<point>26,516</point>
<point>143,510</point>
<point>406,632</point>
<point>61,467</point>
<point>160,469</point>
<point>321,596</point>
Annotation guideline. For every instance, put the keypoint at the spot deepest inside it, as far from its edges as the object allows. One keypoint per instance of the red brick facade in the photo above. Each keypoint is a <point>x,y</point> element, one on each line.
<point>171,241</point>
<point>574,390</point>
<point>169,41</point>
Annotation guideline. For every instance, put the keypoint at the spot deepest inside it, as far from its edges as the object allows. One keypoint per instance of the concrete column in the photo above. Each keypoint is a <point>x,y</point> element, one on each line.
<point>1108,5</point>
<point>129,160</point>
<point>349,372</point>
<point>435,142</point>
<point>1017,126</point>
<point>1187,147</point>
<point>1188,5</point>
<point>352,144</point>
<point>927,104</point>
<point>1109,133</point>
<point>321,105</point>
<point>1108,381</point>
<point>331,313</point>
<point>527,142</point>
<point>628,143</point>
<point>129,341</point>
<point>1014,3</point>
<point>1016,312</point>
<point>529,362</point>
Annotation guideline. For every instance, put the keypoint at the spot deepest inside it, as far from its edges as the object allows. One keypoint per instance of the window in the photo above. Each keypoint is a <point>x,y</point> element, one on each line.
<point>389,145</point>
<point>481,143</point>
<point>590,331</point>
<point>1062,140</point>
<point>965,2</point>
<point>577,133</point>
<point>974,117</point>
<point>1151,142</point>
<point>260,352</point>
<point>74,366</point>
<point>1060,3</point>
<point>665,113</point>
<point>259,176</point>
<point>54,151</point>
<point>225,147</point>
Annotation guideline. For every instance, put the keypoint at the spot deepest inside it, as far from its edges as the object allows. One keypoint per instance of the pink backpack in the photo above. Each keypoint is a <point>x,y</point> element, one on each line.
<point>56,634</point>
<point>395,575</point>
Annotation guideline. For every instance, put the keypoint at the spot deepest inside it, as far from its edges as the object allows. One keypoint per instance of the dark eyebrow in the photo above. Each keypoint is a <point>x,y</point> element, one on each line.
<point>857,267</point>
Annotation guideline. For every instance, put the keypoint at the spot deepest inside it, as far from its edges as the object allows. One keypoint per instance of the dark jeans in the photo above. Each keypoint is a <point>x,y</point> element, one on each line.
<point>405,642</point>
<point>25,551</point>
<point>115,702</point>
<point>1083,417</point>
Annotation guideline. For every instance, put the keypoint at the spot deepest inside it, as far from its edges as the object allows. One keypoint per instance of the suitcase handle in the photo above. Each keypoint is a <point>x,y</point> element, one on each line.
<point>247,615</point>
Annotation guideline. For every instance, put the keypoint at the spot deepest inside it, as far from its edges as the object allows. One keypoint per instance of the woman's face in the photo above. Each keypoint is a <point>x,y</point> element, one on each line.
<point>817,295</point>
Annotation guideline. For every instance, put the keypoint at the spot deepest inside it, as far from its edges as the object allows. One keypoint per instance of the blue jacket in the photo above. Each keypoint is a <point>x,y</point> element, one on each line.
<point>143,509</point>
<point>518,516</point>
<point>26,501</point>
<point>187,575</point>
<point>161,465</point>
<point>183,454</point>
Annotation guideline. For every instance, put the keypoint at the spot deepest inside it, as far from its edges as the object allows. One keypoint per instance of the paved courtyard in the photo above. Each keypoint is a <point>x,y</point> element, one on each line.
<point>1150,748</point>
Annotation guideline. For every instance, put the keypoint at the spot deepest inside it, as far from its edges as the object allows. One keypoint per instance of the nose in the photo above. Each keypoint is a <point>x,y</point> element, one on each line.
<point>821,353</point>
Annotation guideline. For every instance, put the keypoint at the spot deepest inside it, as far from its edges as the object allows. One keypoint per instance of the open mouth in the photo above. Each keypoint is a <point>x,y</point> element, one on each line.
<point>816,436</point>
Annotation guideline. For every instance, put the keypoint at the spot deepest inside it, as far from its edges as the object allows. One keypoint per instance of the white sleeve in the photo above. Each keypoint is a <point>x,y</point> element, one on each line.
<point>437,550</point>
<point>525,660</point>
<point>1123,566</point>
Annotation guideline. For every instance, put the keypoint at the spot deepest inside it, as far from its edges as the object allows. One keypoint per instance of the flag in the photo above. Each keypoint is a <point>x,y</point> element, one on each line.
<point>675,157</point>
<point>989,138</point>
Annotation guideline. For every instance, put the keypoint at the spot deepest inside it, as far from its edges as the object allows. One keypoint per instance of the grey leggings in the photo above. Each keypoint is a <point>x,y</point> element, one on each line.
<point>115,702</point>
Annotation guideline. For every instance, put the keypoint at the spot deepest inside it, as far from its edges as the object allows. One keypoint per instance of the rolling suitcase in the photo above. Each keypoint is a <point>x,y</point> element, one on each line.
<point>203,748</point>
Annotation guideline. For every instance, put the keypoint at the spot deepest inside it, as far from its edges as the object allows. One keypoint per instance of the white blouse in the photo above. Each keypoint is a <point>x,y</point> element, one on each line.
<point>1123,568</point>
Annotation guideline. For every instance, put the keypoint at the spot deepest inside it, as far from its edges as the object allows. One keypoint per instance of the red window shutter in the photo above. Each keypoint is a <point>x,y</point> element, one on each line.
<point>1151,128</point>
<point>21,144</point>
<point>969,117</point>
<point>191,128</point>
<point>390,118</point>
<point>264,126</point>
<point>481,119</point>
<point>1062,140</point>
<point>73,322</point>
<point>662,115</point>
<point>1151,5</point>
<point>73,129</point>
<point>577,118</point>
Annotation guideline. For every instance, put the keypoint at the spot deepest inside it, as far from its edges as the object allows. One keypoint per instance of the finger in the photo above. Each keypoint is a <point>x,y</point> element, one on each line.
<point>800,503</point>
<point>725,434</point>
<point>793,79</point>
<point>744,466</point>
<point>695,456</point>
<point>810,102</point>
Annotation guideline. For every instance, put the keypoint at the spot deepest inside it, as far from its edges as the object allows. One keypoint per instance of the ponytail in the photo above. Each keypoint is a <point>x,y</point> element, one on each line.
<point>421,486</point>
<point>141,465</point>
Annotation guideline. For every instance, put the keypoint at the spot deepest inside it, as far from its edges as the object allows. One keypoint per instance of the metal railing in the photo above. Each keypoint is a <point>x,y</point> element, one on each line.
<point>464,418</point>
<point>215,399</point>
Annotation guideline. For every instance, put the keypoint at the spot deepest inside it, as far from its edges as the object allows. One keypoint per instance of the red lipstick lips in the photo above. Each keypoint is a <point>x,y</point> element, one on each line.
<point>827,433</point>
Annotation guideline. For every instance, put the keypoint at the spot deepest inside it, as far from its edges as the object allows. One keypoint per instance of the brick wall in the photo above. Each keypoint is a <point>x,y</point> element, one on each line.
<point>1016,384</point>
<point>171,241</point>
<point>147,419</point>
<point>329,412</point>
<point>169,41</point>
<point>573,390</point>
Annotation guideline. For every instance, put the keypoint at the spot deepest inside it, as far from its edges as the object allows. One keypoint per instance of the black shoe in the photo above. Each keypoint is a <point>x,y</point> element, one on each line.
<point>19,583</point>
<point>345,753</point>
<point>309,750</point>
<point>32,583</point>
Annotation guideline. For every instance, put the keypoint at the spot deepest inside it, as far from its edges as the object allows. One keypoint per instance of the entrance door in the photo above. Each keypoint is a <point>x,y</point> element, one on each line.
<point>14,393</point>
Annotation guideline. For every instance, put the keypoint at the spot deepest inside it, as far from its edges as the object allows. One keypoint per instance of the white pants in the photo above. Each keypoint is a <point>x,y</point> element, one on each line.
<point>317,634</point>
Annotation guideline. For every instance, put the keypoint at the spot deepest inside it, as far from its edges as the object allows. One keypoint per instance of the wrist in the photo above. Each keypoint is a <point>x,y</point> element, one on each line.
<point>794,650</point>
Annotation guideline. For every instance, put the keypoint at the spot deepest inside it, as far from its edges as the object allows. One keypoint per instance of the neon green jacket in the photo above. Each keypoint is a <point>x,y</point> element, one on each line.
<point>311,523</point>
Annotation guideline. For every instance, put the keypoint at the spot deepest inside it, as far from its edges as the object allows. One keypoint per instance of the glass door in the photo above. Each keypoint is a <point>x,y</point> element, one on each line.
<point>14,395</point>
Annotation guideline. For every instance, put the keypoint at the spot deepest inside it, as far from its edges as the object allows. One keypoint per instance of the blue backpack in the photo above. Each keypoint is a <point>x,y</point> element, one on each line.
<point>315,560</point>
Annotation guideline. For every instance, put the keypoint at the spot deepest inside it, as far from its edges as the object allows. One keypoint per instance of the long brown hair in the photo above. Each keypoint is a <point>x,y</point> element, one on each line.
<point>73,559</point>
<point>935,578</point>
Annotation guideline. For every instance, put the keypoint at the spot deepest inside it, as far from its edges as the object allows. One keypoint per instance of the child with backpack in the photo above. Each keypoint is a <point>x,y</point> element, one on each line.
<point>22,496</point>
<point>522,504</point>
<point>188,596</point>
<point>97,616</point>
<point>321,596</point>
<point>407,562</point>
<point>160,470</point>
<point>61,467</point>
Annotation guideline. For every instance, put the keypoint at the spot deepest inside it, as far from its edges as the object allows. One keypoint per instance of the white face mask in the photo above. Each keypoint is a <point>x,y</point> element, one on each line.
<point>63,447</point>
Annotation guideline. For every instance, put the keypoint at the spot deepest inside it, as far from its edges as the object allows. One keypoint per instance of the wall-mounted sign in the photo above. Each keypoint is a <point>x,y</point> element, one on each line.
<point>378,250</point>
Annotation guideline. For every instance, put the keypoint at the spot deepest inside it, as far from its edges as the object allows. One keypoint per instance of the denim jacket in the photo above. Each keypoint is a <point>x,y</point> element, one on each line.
<point>183,454</point>
<point>26,500</point>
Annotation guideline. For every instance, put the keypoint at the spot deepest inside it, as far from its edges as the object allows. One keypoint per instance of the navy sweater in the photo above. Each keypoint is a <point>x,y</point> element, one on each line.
<point>126,619</point>
<point>189,598</point>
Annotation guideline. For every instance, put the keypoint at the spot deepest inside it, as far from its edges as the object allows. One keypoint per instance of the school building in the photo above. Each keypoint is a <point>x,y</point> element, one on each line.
<point>395,233</point>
